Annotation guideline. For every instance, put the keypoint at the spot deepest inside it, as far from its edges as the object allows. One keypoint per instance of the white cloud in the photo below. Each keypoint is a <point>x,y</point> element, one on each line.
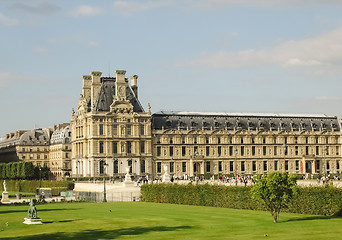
<point>41,50</point>
<point>7,21</point>
<point>85,10</point>
<point>321,55</point>
<point>131,7</point>
<point>93,44</point>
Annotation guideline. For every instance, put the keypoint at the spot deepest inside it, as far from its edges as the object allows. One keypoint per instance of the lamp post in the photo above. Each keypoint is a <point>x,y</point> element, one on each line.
<point>104,183</point>
<point>284,148</point>
<point>235,167</point>
<point>324,165</point>
<point>77,163</point>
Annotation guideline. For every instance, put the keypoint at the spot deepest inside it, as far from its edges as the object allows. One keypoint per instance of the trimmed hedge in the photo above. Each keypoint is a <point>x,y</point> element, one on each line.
<point>31,186</point>
<point>309,200</point>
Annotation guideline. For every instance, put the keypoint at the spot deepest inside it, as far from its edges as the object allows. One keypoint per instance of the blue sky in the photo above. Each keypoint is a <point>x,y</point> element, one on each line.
<point>263,56</point>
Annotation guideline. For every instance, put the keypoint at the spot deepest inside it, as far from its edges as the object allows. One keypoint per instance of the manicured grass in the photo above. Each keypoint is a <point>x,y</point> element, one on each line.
<point>139,220</point>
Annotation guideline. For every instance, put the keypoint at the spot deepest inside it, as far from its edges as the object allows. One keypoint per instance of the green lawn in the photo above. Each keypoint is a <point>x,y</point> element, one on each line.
<point>139,220</point>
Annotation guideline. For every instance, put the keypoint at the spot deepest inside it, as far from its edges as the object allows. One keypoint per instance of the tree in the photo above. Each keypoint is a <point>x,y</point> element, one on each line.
<point>275,190</point>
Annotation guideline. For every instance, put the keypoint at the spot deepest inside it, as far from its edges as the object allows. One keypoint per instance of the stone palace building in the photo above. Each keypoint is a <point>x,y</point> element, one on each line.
<point>111,131</point>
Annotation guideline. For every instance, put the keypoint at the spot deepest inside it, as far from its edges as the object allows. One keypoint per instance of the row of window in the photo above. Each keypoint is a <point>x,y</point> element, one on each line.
<point>234,151</point>
<point>116,166</point>
<point>125,130</point>
<point>125,148</point>
<point>233,167</point>
<point>244,140</point>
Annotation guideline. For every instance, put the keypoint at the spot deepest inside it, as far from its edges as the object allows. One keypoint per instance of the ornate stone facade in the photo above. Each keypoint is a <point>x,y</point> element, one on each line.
<point>244,143</point>
<point>111,131</point>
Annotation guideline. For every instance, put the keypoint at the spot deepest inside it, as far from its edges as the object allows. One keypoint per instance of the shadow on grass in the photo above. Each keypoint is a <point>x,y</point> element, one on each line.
<point>318,217</point>
<point>100,234</point>
<point>63,221</point>
<point>39,210</point>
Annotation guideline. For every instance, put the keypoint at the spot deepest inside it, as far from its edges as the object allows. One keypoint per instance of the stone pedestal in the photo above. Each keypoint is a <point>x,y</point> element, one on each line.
<point>31,221</point>
<point>5,198</point>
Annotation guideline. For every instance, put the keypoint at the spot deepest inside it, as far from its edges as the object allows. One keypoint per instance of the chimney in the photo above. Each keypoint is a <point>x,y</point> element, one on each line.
<point>86,91</point>
<point>95,87</point>
<point>134,85</point>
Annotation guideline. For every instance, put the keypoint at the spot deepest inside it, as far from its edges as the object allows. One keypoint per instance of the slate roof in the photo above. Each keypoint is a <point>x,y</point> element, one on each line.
<point>105,98</point>
<point>39,137</point>
<point>244,121</point>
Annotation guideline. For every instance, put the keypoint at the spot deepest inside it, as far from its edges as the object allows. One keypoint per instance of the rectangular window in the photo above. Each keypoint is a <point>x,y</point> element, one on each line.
<point>219,151</point>
<point>253,150</point>
<point>275,165</point>
<point>264,140</point>
<point>142,147</point>
<point>101,129</point>
<point>142,166</point>
<point>242,166</point>
<point>337,150</point>
<point>115,129</point>
<point>327,140</point>
<point>337,164</point>
<point>306,150</point>
<point>218,140</point>
<point>264,150</point>
<point>183,151</point>
<point>242,151</point>
<point>142,129</point>
<point>158,151</point>
<point>275,150</point>
<point>129,147</point>
<point>317,150</point>
<point>241,140</point>
<point>230,151</point>
<point>171,140</point>
<point>220,166</point>
<point>116,166</point>
<point>183,139</point>
<point>195,139</point>
<point>306,140</point>
<point>254,166</point>
<point>172,167</point>
<point>158,139</point>
<point>286,165</point>
<point>328,165</point>
<point>265,166</point>
<point>158,167</point>
<point>171,151</point>
<point>207,166</point>
<point>296,150</point>
<point>297,165</point>
<point>318,164</point>
<point>231,166</point>
<point>207,151</point>
<point>207,140</point>
<point>115,147</point>
<point>101,146</point>
<point>129,130</point>
<point>183,167</point>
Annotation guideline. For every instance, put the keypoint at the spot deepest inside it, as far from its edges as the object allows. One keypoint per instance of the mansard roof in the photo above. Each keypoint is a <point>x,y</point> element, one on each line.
<point>244,121</point>
<point>61,136</point>
<point>36,137</point>
<point>107,92</point>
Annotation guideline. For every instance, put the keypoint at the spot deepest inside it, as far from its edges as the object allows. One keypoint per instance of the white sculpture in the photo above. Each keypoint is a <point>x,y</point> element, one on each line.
<point>5,186</point>
<point>166,175</point>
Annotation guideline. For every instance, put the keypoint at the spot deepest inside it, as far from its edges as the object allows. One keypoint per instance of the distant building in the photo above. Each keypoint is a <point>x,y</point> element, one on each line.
<point>35,146</point>
<point>111,131</point>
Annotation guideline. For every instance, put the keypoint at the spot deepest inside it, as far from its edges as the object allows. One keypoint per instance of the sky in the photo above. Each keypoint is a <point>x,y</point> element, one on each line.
<point>256,56</point>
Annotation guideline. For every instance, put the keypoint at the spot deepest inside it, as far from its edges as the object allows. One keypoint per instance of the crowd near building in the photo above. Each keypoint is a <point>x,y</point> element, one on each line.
<point>111,132</point>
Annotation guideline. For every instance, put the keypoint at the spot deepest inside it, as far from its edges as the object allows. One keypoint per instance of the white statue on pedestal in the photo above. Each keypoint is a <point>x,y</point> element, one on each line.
<point>128,176</point>
<point>5,186</point>
<point>166,175</point>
